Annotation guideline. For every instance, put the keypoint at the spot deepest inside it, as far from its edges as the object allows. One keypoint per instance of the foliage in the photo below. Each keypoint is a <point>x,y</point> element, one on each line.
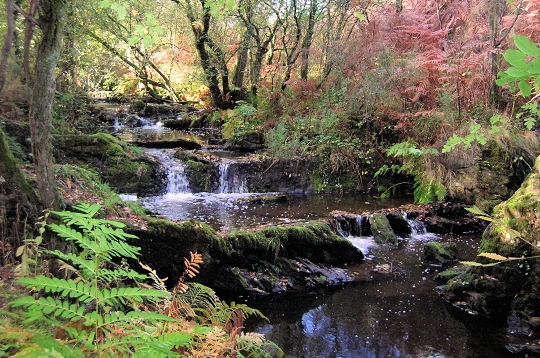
<point>524,68</point>
<point>91,305</point>
<point>241,120</point>
<point>102,307</point>
<point>414,162</point>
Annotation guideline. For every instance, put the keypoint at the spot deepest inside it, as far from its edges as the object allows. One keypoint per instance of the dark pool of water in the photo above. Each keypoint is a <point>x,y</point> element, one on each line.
<point>396,314</point>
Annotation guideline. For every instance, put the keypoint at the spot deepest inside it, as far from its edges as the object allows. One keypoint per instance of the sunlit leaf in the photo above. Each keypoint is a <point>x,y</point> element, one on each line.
<point>493,256</point>
<point>525,88</point>
<point>515,58</point>
<point>527,46</point>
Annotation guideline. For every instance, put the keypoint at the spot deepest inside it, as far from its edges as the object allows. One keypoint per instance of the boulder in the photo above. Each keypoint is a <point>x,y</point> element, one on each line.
<point>439,253</point>
<point>124,169</point>
<point>262,262</point>
<point>507,289</point>
<point>381,229</point>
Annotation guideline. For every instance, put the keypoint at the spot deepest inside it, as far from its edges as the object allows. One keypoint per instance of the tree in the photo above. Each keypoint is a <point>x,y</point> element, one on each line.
<point>255,16</point>
<point>8,42</point>
<point>51,22</point>
<point>212,56</point>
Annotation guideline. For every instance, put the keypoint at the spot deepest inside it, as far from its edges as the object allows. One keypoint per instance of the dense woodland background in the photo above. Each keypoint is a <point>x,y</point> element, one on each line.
<point>369,89</point>
<point>349,79</point>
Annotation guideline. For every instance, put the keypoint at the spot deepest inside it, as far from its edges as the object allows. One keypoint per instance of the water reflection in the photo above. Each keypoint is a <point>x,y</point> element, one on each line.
<point>228,211</point>
<point>391,315</point>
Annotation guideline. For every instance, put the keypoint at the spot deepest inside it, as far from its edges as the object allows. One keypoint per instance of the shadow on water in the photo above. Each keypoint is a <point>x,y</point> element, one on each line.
<point>391,314</point>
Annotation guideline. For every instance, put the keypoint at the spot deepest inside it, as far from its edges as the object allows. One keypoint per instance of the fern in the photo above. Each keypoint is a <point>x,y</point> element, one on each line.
<point>94,304</point>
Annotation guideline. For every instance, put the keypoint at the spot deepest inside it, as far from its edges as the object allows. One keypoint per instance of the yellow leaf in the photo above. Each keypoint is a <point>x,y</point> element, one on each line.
<point>493,256</point>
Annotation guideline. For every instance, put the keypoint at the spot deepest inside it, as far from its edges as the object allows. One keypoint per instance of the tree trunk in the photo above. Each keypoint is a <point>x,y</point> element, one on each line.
<point>51,21</point>
<point>13,183</point>
<point>306,44</point>
<point>8,42</point>
<point>29,27</point>
<point>241,63</point>
<point>496,12</point>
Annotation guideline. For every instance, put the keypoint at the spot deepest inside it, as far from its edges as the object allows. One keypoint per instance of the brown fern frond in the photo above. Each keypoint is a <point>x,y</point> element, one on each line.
<point>192,269</point>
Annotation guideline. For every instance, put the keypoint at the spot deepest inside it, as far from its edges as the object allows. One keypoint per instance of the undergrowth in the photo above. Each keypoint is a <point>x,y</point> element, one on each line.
<point>98,306</point>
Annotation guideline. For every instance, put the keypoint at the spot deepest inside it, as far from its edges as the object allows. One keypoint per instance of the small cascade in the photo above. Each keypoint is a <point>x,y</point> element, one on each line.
<point>177,182</point>
<point>229,180</point>
<point>418,229</point>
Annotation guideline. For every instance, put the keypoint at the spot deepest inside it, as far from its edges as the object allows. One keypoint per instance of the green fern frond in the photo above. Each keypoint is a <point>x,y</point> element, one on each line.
<point>87,268</point>
<point>225,311</point>
<point>120,274</point>
<point>67,288</point>
<point>123,295</point>
<point>38,309</point>
<point>200,296</point>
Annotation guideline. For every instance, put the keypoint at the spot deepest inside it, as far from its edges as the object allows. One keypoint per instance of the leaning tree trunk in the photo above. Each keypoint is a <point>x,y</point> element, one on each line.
<point>51,21</point>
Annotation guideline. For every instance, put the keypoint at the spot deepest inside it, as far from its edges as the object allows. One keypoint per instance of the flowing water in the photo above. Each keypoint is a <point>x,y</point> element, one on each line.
<point>392,309</point>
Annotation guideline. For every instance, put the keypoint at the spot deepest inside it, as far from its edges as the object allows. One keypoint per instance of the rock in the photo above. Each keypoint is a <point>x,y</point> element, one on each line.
<point>262,262</point>
<point>439,253</point>
<point>117,164</point>
<point>173,143</point>
<point>381,230</point>
<point>511,289</point>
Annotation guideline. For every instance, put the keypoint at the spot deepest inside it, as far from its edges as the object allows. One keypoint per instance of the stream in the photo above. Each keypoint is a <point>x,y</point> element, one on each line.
<point>391,310</point>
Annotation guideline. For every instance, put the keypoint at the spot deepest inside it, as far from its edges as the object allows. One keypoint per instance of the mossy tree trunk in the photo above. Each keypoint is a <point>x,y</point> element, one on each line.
<point>13,183</point>
<point>51,22</point>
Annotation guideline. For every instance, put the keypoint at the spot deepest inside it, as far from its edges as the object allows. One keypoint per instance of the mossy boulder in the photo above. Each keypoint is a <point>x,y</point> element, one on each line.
<point>315,241</point>
<point>381,229</point>
<point>164,245</point>
<point>509,289</point>
<point>118,164</point>
<point>269,260</point>
<point>439,253</point>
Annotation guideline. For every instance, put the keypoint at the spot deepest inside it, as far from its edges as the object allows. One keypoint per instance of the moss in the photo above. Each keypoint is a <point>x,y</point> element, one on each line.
<point>381,229</point>
<point>117,163</point>
<point>203,175</point>
<point>439,253</point>
<point>315,241</point>
<point>516,221</point>
<point>194,235</point>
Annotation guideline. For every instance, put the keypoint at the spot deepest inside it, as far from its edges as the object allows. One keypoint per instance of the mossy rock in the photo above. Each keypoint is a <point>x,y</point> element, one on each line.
<point>439,253</point>
<point>118,164</point>
<point>164,245</point>
<point>508,287</point>
<point>517,220</point>
<point>381,229</point>
<point>315,241</point>
<point>202,176</point>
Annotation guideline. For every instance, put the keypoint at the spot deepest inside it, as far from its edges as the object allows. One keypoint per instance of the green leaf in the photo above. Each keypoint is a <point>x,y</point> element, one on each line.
<point>525,88</point>
<point>517,73</point>
<point>527,46</point>
<point>529,122</point>
<point>515,58</point>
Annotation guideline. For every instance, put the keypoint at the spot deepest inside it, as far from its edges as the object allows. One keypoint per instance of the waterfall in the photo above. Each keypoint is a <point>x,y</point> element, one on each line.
<point>418,229</point>
<point>177,182</point>
<point>229,179</point>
